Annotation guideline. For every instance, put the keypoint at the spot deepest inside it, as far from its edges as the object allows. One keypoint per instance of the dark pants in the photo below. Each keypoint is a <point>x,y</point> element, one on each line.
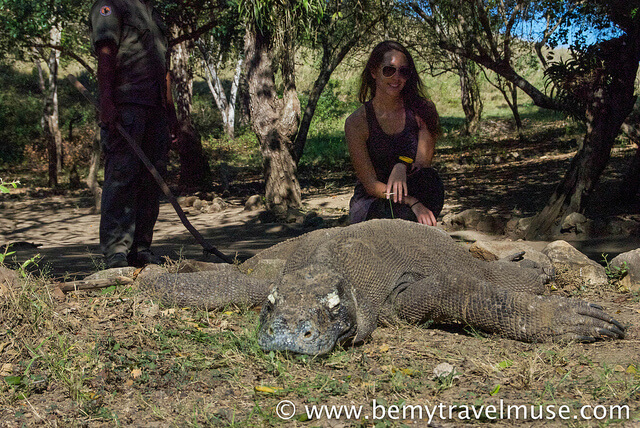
<point>130,195</point>
<point>424,184</point>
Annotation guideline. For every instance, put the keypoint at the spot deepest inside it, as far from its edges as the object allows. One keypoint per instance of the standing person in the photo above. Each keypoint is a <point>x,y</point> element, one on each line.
<point>130,42</point>
<point>391,140</point>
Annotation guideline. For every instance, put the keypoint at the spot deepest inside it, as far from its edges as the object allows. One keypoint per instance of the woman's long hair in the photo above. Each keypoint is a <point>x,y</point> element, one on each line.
<point>413,91</point>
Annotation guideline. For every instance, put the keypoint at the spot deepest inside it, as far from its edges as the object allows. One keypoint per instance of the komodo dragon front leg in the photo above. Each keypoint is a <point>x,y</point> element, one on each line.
<point>516,315</point>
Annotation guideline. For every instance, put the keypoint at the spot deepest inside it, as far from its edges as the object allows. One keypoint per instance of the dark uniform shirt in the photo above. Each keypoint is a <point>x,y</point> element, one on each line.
<point>141,37</point>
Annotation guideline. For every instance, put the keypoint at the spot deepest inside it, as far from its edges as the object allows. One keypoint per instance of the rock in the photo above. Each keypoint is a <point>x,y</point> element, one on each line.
<point>217,205</point>
<point>631,262</point>
<point>516,228</point>
<point>112,273</point>
<point>9,280</point>
<point>622,227</point>
<point>573,268</point>
<point>490,224</point>
<point>495,250</point>
<point>467,219</point>
<point>473,219</point>
<point>189,200</point>
<point>575,223</point>
<point>254,203</point>
<point>444,370</point>
<point>294,215</point>
<point>198,204</point>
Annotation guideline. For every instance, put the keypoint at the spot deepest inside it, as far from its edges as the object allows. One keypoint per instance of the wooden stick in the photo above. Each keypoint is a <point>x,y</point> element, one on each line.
<point>93,284</point>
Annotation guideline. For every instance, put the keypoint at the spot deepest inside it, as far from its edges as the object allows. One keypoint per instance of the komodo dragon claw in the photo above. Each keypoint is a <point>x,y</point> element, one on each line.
<point>587,322</point>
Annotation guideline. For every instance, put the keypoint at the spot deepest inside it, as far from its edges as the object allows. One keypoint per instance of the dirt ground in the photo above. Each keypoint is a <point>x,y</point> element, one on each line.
<point>116,358</point>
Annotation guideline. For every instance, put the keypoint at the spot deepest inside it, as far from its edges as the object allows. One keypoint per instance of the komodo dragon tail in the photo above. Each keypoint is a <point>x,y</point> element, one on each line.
<point>214,289</point>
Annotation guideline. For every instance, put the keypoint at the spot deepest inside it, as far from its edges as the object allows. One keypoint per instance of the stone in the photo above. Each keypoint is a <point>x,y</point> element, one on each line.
<point>217,205</point>
<point>495,250</point>
<point>189,200</point>
<point>199,204</point>
<point>574,222</point>
<point>254,203</point>
<point>573,268</point>
<point>630,261</point>
<point>9,280</point>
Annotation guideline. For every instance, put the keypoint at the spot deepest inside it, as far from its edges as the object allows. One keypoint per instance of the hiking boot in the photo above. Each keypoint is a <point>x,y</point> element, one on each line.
<point>117,260</point>
<point>143,257</point>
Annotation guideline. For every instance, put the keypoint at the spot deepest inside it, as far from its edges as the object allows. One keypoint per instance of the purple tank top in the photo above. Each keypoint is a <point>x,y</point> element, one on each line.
<point>384,150</point>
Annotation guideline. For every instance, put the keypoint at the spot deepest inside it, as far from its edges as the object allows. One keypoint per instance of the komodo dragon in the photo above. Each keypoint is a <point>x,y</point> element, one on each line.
<point>331,285</point>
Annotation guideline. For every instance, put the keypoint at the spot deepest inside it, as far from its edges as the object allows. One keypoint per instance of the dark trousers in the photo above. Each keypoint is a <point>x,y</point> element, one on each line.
<point>424,184</point>
<point>130,195</point>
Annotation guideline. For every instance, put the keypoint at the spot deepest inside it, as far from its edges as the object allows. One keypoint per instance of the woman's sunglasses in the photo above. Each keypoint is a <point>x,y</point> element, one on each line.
<point>390,70</point>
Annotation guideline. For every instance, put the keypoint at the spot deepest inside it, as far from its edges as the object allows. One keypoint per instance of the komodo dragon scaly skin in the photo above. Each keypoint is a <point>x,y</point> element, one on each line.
<point>331,285</point>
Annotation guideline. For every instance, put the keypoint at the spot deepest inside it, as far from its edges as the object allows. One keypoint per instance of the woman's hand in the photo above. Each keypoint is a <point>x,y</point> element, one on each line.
<point>424,214</point>
<point>397,184</point>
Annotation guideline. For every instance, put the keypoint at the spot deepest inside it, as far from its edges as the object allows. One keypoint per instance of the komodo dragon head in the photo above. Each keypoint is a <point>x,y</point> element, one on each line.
<point>307,312</point>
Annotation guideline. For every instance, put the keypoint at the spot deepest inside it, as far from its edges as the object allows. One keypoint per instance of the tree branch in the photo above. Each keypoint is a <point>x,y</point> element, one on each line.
<point>193,34</point>
<point>66,52</point>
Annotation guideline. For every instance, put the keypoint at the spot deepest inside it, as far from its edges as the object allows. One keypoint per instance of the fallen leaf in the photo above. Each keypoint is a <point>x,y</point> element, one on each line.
<point>6,369</point>
<point>384,348</point>
<point>136,373</point>
<point>631,369</point>
<point>444,370</point>
<point>505,364</point>
<point>406,372</point>
<point>267,389</point>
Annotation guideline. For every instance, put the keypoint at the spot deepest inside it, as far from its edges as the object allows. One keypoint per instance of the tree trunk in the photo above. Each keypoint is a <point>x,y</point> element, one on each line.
<point>630,185</point>
<point>50,124</point>
<point>469,94</point>
<point>194,168</point>
<point>92,177</point>
<point>275,120</point>
<point>227,106</point>
<point>609,105</point>
<point>331,58</point>
<point>511,96</point>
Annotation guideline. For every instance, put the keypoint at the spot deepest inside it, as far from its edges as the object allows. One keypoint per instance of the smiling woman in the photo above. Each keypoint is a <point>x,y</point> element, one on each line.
<point>391,140</point>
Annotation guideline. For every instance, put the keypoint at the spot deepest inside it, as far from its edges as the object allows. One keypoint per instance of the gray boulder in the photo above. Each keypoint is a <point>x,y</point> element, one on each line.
<point>496,250</point>
<point>629,261</point>
<point>573,268</point>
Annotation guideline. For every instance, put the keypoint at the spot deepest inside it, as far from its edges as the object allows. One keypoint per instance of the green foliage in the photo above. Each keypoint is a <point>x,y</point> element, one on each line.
<point>20,111</point>
<point>614,273</point>
<point>326,144</point>
<point>3,185</point>
<point>27,24</point>
<point>276,16</point>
